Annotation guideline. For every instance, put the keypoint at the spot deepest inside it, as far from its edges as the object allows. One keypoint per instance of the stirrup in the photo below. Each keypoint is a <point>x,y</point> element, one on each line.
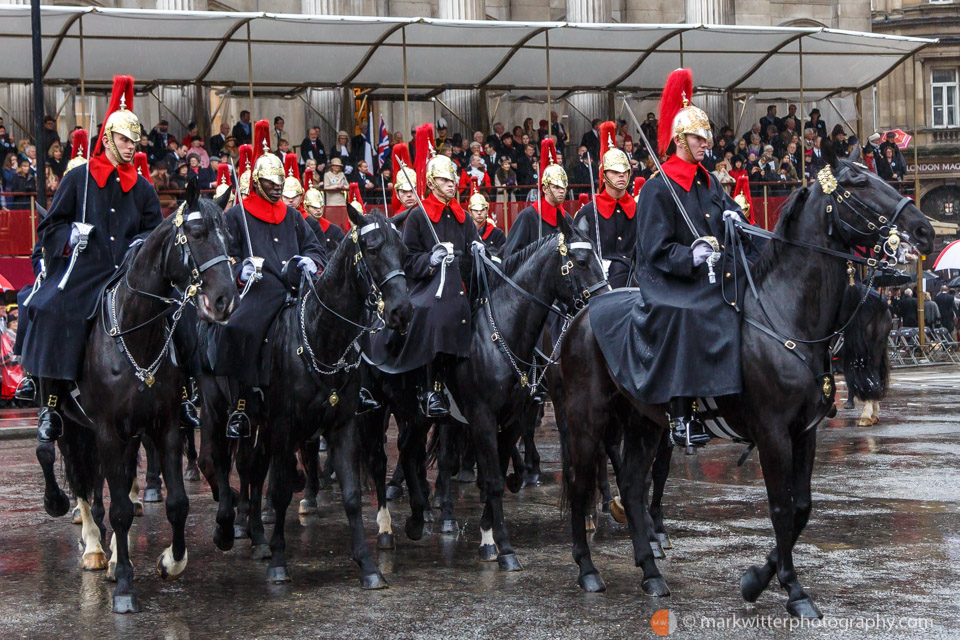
<point>26,390</point>
<point>49,425</point>
<point>434,405</point>
<point>367,402</point>
<point>238,425</point>
<point>189,418</point>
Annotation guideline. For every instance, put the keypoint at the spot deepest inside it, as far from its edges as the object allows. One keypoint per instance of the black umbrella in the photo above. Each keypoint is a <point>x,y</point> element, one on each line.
<point>892,278</point>
<point>955,282</point>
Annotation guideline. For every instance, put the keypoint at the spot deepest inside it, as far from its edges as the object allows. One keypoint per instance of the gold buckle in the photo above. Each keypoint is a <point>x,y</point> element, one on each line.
<point>871,262</point>
<point>300,351</point>
<point>565,269</point>
<point>52,401</point>
<point>241,405</point>
<point>882,219</point>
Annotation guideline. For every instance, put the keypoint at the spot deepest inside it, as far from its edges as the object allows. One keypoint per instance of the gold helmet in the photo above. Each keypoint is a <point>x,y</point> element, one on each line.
<point>266,165</point>
<point>354,198</point>
<point>676,109</point>
<point>78,150</point>
<point>313,198</point>
<point>477,201</point>
<point>120,118</point>
<point>551,173</point>
<point>291,184</point>
<point>406,180</point>
<point>611,158</point>
<point>223,180</point>
<point>244,168</point>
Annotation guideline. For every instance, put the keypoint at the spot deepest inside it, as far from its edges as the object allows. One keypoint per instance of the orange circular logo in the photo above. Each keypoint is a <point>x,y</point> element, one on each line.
<point>663,622</point>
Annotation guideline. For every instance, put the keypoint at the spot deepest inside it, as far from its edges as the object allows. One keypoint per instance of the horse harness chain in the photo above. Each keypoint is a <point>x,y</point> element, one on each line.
<point>147,375</point>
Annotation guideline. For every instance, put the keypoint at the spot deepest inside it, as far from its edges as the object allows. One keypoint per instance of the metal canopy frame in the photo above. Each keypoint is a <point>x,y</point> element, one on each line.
<point>70,25</point>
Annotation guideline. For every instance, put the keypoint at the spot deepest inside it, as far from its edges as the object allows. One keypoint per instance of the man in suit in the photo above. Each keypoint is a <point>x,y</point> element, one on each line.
<point>312,149</point>
<point>241,130</point>
<point>771,118</point>
<point>591,139</point>
<point>494,138</point>
<point>217,141</point>
<point>558,130</point>
<point>278,130</point>
<point>946,301</point>
<point>157,141</point>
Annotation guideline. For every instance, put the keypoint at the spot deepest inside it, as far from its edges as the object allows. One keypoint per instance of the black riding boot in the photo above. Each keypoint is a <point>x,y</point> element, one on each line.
<point>238,424</point>
<point>433,401</point>
<point>189,418</point>
<point>50,420</point>
<point>26,390</point>
<point>685,429</point>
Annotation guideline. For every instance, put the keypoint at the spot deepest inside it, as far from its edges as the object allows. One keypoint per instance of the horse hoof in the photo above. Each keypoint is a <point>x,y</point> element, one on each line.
<point>665,541</point>
<point>307,506</point>
<point>414,529</point>
<point>268,516</point>
<point>57,504</point>
<point>592,583</point>
<point>531,480</point>
<point>509,562</point>
<point>428,515</point>
<point>152,495</point>
<point>590,524</point>
<point>386,542</point>
<point>94,561</point>
<point>449,526</point>
<point>373,582</point>
<point>137,509</point>
<point>804,608</point>
<point>849,403</point>
<point>655,587</point>
<point>467,476</point>
<point>240,531</point>
<point>617,511</point>
<point>752,584</point>
<point>657,550</point>
<point>488,552</point>
<point>875,420</point>
<point>169,568</point>
<point>126,603</point>
<point>261,552</point>
<point>514,482</point>
<point>192,474</point>
<point>394,492</point>
<point>278,575</point>
<point>864,422</point>
<point>77,518</point>
<point>224,543</point>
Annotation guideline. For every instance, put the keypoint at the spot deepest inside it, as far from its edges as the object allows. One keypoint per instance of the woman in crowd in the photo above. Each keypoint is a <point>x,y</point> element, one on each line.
<point>55,159</point>
<point>839,139</point>
<point>505,177</point>
<point>722,173</point>
<point>891,171</point>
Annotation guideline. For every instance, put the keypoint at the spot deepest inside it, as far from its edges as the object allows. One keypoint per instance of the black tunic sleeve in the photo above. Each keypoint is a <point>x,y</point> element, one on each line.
<point>54,230</point>
<point>307,244</point>
<point>419,243</point>
<point>657,237</point>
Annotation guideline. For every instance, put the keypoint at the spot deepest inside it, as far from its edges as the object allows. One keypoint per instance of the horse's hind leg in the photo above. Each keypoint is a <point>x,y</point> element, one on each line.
<point>55,501</point>
<point>445,469</point>
<point>173,561</point>
<point>491,461</point>
<point>284,472</point>
<point>531,457</point>
<point>641,438</point>
<point>373,440</point>
<point>659,472</point>
<point>412,444</point>
<point>192,473</point>
<point>310,459</point>
<point>119,473</point>
<point>152,491</point>
<point>580,475</point>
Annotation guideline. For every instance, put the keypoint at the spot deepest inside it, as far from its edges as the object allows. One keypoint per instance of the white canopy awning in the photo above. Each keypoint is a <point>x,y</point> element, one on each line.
<point>290,53</point>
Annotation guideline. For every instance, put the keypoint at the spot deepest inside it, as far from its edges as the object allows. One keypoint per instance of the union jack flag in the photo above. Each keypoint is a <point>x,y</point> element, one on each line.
<point>383,144</point>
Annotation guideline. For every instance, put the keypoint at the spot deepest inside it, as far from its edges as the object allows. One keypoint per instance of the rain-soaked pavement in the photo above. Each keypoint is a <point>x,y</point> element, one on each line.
<point>881,555</point>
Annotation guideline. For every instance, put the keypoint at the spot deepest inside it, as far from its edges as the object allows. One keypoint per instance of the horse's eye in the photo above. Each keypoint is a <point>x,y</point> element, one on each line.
<point>582,263</point>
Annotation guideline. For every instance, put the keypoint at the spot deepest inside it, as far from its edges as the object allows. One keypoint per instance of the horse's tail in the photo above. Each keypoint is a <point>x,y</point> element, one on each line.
<point>864,357</point>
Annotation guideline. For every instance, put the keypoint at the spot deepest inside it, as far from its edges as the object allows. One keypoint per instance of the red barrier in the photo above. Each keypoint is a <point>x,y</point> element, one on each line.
<point>16,233</point>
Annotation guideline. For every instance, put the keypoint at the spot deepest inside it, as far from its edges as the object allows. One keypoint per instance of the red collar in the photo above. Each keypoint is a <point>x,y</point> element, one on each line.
<point>101,168</point>
<point>324,224</point>
<point>435,208</point>
<point>263,210</point>
<point>683,172</point>
<point>606,205</point>
<point>489,229</point>
<point>548,212</point>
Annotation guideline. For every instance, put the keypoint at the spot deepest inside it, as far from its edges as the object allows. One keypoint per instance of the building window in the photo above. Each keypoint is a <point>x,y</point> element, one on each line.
<point>943,90</point>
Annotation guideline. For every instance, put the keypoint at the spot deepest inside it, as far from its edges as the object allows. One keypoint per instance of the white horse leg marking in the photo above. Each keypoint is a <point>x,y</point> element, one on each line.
<point>486,537</point>
<point>135,497</point>
<point>866,418</point>
<point>384,521</point>
<point>112,566</point>
<point>876,411</point>
<point>168,568</point>
<point>94,559</point>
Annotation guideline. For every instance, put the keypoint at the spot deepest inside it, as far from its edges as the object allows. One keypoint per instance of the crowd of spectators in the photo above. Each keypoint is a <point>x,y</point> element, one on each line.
<point>505,162</point>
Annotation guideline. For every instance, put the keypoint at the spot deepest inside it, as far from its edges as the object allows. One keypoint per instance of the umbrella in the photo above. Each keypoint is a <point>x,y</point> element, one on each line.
<point>955,282</point>
<point>902,138</point>
<point>892,278</point>
<point>5,285</point>
<point>930,275</point>
<point>949,258</point>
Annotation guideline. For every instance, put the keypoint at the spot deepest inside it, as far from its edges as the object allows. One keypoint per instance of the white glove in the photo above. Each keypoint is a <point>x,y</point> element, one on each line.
<point>306,264</point>
<point>439,253</point>
<point>479,245</point>
<point>74,237</point>
<point>348,169</point>
<point>246,270</point>
<point>701,251</point>
<point>730,213</point>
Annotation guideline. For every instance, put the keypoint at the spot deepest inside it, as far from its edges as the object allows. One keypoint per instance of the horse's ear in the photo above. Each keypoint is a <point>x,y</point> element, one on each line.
<point>582,225</point>
<point>223,199</point>
<point>192,195</point>
<point>855,154</point>
<point>356,218</point>
<point>829,153</point>
<point>563,224</point>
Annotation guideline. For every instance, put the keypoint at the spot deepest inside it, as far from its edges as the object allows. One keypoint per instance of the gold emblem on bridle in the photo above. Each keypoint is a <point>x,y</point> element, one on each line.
<point>828,182</point>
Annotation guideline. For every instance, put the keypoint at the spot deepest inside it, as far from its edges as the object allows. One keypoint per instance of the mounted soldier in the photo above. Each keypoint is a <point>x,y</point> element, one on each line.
<point>439,239</point>
<point>100,208</point>
<point>293,196</point>
<point>265,235</point>
<point>314,204</point>
<point>224,184</point>
<point>615,224</point>
<point>543,212</point>
<point>492,236</point>
<point>404,184</point>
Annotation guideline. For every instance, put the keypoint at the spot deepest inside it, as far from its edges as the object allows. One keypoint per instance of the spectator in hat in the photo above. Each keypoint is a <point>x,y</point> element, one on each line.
<point>891,142</point>
<point>509,149</point>
<point>196,147</point>
<point>816,123</point>
<point>181,177</point>
<point>241,130</point>
<point>203,174</point>
<point>441,138</point>
<point>839,139</point>
<point>216,142</point>
<point>335,182</point>
<point>342,150</point>
<point>23,183</point>
<point>871,151</point>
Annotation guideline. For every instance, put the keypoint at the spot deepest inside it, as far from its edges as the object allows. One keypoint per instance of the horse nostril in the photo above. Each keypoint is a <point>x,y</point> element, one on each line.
<point>221,304</point>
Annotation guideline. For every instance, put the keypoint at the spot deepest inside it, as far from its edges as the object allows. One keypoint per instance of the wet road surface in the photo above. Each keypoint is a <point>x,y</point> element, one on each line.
<point>881,555</point>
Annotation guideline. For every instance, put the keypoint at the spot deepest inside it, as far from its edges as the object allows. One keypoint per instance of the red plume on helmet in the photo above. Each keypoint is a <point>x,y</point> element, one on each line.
<point>355,195</point>
<point>608,140</point>
<point>223,174</point>
<point>638,183</point>
<point>743,189</point>
<point>308,178</point>
<point>679,88</point>
<point>425,151</point>
<point>397,153</point>
<point>140,164</point>
<point>261,139</point>
<point>122,92</point>
<point>583,200</point>
<point>245,159</point>
<point>291,167</point>
<point>81,144</point>
<point>548,155</point>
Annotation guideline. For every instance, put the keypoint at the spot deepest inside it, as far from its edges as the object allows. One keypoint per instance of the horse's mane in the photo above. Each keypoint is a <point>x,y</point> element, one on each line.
<point>770,255</point>
<point>511,264</point>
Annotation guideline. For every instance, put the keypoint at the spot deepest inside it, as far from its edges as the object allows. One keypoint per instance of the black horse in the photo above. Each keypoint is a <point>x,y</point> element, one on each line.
<point>130,388</point>
<point>315,355</point>
<point>491,386</point>
<point>800,294</point>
